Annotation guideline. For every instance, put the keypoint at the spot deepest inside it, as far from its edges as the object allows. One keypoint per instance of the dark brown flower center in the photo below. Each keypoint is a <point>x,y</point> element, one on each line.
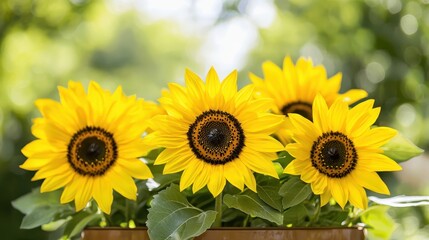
<point>302,108</point>
<point>216,137</point>
<point>92,151</point>
<point>334,155</point>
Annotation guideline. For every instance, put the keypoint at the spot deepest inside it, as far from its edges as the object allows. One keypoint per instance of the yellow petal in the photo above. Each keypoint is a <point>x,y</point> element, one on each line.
<point>304,125</point>
<point>324,198</point>
<point>122,183</point>
<point>55,113</point>
<point>55,168</point>
<point>299,151</point>
<point>337,116</point>
<point>194,84</point>
<point>338,193</point>
<point>36,147</point>
<point>271,71</point>
<point>371,181</point>
<point>259,105</point>
<point>360,118</point>
<point>244,95</point>
<point>312,82</point>
<point>178,164</point>
<point>309,175</point>
<point>83,194</point>
<point>264,143</point>
<point>70,191</point>
<point>353,95</point>
<point>296,166</point>
<point>217,180</point>
<point>212,83</point>
<point>320,114</point>
<point>96,104</point>
<point>103,194</point>
<point>274,80</point>
<point>168,124</point>
<point>169,154</point>
<point>75,99</point>
<point>319,186</point>
<point>303,139</point>
<point>358,196</point>
<point>229,86</point>
<point>132,149</point>
<point>377,162</point>
<point>55,134</point>
<point>264,123</point>
<point>189,174</point>
<point>334,83</point>
<point>56,182</point>
<point>160,140</point>
<point>135,168</point>
<point>258,163</point>
<point>233,175</point>
<point>290,76</point>
<point>375,137</point>
<point>249,178</point>
<point>201,180</point>
<point>36,163</point>
<point>259,82</point>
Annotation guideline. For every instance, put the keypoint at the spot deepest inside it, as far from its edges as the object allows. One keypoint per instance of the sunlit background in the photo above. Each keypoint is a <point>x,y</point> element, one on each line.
<point>381,46</point>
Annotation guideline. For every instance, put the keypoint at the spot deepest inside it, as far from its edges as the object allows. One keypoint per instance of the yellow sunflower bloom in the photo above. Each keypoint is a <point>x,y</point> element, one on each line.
<point>89,144</point>
<point>339,153</point>
<point>214,133</point>
<point>294,88</point>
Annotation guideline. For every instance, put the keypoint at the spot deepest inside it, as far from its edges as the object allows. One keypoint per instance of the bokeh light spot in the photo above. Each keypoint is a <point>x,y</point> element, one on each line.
<point>409,24</point>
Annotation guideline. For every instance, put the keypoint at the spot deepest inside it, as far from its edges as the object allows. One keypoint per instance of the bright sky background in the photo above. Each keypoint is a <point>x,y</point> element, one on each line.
<point>225,45</point>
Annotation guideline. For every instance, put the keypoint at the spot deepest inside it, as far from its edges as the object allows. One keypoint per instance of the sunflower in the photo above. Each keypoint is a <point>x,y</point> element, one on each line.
<point>295,87</point>
<point>214,133</point>
<point>89,144</point>
<point>339,153</point>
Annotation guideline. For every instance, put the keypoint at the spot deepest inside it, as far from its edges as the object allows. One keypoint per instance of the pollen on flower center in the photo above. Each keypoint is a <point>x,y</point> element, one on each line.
<point>302,108</point>
<point>216,137</point>
<point>334,155</point>
<point>92,151</point>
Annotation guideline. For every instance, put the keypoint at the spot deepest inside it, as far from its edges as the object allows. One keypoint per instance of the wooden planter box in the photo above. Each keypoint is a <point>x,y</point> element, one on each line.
<point>235,233</point>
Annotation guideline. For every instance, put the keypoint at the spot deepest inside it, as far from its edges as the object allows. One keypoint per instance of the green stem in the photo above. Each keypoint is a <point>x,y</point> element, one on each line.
<point>127,210</point>
<point>204,203</point>
<point>315,217</point>
<point>218,209</point>
<point>246,221</point>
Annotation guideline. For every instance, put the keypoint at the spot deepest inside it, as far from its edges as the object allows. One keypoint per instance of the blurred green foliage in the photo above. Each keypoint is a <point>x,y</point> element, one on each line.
<point>379,45</point>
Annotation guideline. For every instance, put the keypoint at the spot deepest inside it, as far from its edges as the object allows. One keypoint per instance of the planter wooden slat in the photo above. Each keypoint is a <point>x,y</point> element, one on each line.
<point>235,233</point>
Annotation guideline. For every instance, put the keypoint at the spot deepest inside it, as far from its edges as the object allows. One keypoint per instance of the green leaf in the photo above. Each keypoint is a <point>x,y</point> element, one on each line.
<point>284,158</point>
<point>402,201</point>
<point>332,216</point>
<point>53,226</point>
<point>171,216</point>
<point>166,179</point>
<point>232,215</point>
<point>153,154</point>
<point>249,202</point>
<point>41,208</point>
<point>268,190</point>
<point>295,215</point>
<point>259,223</point>
<point>30,201</point>
<point>381,225</point>
<point>39,216</point>
<point>79,221</point>
<point>401,149</point>
<point>294,192</point>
